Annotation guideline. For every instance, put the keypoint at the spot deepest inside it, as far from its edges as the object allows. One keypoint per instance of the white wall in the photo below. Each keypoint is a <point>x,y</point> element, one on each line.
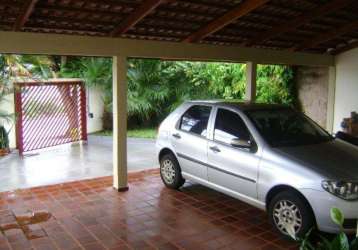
<point>346,97</point>
<point>312,88</point>
<point>94,105</point>
<point>9,107</point>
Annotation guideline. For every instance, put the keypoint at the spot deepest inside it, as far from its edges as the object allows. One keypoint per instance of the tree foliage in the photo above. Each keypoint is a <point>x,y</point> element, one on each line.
<point>157,87</point>
<point>148,88</point>
<point>275,84</point>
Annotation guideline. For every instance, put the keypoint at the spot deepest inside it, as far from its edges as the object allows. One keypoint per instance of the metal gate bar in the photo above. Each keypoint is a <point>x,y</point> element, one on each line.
<point>50,114</point>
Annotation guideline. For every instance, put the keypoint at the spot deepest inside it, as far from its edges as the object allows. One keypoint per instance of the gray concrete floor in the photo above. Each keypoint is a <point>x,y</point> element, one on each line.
<point>72,162</point>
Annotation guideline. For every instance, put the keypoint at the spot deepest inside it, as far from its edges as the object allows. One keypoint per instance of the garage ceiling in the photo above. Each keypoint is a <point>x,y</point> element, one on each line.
<point>316,26</point>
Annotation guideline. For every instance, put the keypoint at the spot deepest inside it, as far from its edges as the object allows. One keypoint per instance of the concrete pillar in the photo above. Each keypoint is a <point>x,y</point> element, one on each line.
<point>250,94</point>
<point>331,98</point>
<point>120,123</point>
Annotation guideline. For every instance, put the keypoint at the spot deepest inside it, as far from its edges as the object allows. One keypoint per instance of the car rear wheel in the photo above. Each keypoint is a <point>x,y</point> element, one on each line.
<point>170,172</point>
<point>290,214</point>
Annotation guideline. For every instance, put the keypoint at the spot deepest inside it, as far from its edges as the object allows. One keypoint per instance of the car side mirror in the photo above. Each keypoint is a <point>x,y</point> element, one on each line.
<point>240,143</point>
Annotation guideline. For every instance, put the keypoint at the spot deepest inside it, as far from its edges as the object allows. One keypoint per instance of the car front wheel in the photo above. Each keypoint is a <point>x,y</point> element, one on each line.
<point>290,214</point>
<point>170,172</point>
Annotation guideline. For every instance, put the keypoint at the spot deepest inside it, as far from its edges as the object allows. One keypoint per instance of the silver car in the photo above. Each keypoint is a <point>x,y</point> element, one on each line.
<point>269,156</point>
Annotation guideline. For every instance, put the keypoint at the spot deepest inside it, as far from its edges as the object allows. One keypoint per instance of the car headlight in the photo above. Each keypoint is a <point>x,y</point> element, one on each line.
<point>342,189</point>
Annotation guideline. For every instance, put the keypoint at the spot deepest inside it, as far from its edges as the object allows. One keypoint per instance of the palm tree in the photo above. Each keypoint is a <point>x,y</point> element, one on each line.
<point>14,68</point>
<point>5,118</point>
<point>95,72</point>
<point>39,67</point>
<point>147,88</point>
<point>9,66</point>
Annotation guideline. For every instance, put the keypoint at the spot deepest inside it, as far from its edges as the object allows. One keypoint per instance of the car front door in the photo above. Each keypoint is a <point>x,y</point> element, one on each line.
<point>189,139</point>
<point>232,166</point>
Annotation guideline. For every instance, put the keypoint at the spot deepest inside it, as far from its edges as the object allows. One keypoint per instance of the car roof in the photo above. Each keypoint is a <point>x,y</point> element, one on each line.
<point>239,104</point>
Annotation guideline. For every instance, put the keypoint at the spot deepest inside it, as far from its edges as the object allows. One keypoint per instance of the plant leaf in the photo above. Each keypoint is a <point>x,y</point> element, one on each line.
<point>291,231</point>
<point>337,216</point>
<point>306,245</point>
<point>341,242</point>
<point>354,244</point>
<point>325,244</point>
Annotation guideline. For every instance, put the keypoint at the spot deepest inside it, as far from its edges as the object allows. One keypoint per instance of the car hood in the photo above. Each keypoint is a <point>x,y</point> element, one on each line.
<point>336,160</point>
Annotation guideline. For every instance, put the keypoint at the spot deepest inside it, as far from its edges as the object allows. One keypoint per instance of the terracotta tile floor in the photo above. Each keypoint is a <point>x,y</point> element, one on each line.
<point>91,215</point>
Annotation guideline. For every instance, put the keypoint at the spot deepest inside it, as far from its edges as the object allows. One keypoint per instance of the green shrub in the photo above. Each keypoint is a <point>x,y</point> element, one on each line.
<point>339,242</point>
<point>4,138</point>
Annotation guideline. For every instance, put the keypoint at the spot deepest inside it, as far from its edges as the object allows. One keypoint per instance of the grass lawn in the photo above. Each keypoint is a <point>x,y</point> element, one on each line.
<point>150,133</point>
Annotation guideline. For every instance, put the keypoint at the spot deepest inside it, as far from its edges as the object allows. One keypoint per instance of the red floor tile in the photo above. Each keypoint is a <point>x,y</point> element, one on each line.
<point>90,214</point>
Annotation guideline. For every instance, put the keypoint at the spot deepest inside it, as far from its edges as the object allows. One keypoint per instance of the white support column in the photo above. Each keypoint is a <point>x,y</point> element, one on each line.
<point>331,98</point>
<point>120,123</point>
<point>250,94</point>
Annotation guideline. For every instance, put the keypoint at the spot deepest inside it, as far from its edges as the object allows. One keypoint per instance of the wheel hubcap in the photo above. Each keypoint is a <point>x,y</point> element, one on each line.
<point>287,217</point>
<point>168,171</point>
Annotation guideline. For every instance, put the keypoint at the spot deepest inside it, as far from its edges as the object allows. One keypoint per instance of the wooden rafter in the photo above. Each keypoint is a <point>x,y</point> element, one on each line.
<point>25,13</point>
<point>327,36</point>
<point>242,9</point>
<point>142,11</point>
<point>299,21</point>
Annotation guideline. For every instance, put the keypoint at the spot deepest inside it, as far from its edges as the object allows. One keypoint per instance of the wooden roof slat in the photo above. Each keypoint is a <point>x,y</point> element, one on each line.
<point>211,6</point>
<point>67,29</point>
<point>242,9</point>
<point>10,4</point>
<point>25,13</point>
<point>77,11</point>
<point>81,21</point>
<point>64,31</point>
<point>110,12</point>
<point>300,20</point>
<point>113,3</point>
<point>327,36</point>
<point>349,46</point>
<point>226,22</point>
<point>142,11</point>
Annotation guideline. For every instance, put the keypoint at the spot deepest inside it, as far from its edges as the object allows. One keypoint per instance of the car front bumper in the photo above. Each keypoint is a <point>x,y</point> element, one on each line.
<point>322,202</point>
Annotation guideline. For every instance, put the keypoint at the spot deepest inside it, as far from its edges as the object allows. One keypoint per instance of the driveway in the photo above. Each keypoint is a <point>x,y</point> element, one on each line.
<point>72,162</point>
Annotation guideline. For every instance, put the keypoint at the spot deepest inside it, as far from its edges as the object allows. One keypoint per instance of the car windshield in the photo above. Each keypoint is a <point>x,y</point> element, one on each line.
<point>286,127</point>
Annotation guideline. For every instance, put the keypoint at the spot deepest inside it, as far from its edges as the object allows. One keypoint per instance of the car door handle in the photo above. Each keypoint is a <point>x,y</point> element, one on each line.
<point>176,135</point>
<point>215,149</point>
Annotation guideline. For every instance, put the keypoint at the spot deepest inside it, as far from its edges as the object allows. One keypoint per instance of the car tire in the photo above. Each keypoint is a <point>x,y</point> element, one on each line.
<point>170,172</point>
<point>289,208</point>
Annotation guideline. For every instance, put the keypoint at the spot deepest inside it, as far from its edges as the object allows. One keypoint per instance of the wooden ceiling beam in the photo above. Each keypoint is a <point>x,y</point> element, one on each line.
<point>242,9</point>
<point>25,13</point>
<point>141,12</point>
<point>299,21</point>
<point>327,36</point>
<point>13,42</point>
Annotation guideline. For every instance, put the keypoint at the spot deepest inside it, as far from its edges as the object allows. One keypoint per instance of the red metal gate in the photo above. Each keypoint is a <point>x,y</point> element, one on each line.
<point>49,114</point>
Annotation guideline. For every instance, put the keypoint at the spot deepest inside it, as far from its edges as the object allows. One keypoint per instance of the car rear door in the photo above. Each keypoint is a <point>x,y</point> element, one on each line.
<point>229,166</point>
<point>189,140</point>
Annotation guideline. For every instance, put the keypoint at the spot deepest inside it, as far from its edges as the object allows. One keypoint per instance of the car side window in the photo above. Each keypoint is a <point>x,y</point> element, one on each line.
<point>228,126</point>
<point>195,120</point>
